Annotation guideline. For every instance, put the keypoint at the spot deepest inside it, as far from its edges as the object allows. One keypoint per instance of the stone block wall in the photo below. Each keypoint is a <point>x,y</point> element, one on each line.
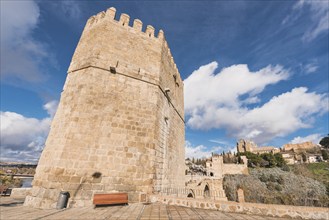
<point>298,212</point>
<point>20,192</point>
<point>217,168</point>
<point>117,127</point>
<point>299,146</point>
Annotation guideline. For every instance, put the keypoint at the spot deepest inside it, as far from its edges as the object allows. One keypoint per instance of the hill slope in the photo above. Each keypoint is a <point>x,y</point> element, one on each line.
<point>304,185</point>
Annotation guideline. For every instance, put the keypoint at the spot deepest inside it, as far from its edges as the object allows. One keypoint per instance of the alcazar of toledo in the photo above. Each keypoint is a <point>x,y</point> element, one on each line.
<point>119,126</point>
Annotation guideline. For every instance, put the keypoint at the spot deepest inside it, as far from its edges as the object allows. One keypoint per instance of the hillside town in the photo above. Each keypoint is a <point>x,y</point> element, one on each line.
<point>298,153</point>
<point>273,171</point>
<point>306,152</point>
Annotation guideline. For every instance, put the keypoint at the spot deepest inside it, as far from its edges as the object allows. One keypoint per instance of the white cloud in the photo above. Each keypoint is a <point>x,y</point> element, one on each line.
<point>314,138</point>
<point>222,142</point>
<point>320,17</point>
<point>203,88</point>
<point>199,151</point>
<point>216,101</point>
<point>310,68</point>
<point>319,11</point>
<point>51,107</point>
<point>21,135</point>
<point>251,100</point>
<point>19,131</point>
<point>18,21</point>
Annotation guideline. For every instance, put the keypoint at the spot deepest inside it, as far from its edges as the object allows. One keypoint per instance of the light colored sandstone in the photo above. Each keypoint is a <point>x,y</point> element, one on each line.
<point>250,146</point>
<point>20,192</point>
<point>240,195</point>
<point>299,212</point>
<point>217,168</point>
<point>121,114</point>
<point>299,147</point>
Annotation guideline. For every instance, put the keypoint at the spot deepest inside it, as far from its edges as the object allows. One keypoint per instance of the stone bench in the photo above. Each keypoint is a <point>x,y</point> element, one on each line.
<point>110,199</point>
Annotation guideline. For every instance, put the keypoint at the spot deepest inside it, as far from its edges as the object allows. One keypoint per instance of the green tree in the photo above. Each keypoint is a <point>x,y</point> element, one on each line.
<point>270,159</point>
<point>240,161</point>
<point>304,157</point>
<point>324,154</point>
<point>279,160</point>
<point>253,159</point>
<point>325,142</point>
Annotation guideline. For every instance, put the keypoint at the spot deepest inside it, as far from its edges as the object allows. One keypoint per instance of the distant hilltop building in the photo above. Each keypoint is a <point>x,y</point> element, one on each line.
<point>250,146</point>
<point>299,146</point>
<point>217,168</point>
<point>292,153</point>
<point>119,126</point>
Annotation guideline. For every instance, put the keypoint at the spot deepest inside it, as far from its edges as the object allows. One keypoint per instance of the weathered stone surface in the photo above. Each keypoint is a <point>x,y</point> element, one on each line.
<point>240,195</point>
<point>20,192</point>
<point>299,146</point>
<point>250,146</point>
<point>120,115</point>
<point>281,211</point>
<point>217,168</point>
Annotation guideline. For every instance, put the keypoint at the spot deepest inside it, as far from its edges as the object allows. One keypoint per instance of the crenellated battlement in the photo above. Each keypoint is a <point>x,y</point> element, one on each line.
<point>137,27</point>
<point>123,21</point>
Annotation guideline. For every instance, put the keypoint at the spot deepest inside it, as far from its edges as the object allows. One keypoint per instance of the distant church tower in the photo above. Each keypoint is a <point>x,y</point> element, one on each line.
<point>120,121</point>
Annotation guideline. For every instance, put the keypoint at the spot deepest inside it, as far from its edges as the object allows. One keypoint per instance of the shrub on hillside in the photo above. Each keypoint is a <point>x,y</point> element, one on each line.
<point>264,160</point>
<point>324,154</point>
<point>275,186</point>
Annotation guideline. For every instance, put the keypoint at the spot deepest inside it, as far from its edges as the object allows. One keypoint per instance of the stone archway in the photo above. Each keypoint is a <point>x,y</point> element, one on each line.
<point>206,191</point>
<point>191,194</point>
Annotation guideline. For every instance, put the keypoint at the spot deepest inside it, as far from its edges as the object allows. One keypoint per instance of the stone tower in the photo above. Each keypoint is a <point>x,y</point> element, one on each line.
<point>245,146</point>
<point>119,126</point>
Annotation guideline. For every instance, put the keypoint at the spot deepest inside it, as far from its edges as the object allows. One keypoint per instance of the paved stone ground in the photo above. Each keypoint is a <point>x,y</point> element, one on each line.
<point>12,208</point>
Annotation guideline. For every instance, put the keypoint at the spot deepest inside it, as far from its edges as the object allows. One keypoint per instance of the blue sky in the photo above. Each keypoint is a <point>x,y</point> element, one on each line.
<point>252,69</point>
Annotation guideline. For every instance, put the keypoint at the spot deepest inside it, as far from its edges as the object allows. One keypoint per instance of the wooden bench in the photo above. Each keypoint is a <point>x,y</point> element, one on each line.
<point>110,199</point>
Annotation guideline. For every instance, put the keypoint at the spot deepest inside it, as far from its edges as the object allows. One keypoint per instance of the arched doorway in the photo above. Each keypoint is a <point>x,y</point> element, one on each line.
<point>206,191</point>
<point>190,194</point>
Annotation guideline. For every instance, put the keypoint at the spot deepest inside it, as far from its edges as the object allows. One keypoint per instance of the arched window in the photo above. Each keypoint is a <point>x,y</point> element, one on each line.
<point>191,194</point>
<point>206,191</point>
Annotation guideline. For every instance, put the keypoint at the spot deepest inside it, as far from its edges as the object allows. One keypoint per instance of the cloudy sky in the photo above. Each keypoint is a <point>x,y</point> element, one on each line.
<point>252,69</point>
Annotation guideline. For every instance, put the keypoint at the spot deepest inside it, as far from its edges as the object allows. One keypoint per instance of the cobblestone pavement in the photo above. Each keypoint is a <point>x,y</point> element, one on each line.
<point>11,208</point>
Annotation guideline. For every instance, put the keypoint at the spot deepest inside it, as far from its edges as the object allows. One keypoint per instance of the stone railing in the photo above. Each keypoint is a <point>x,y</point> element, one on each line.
<point>296,201</point>
<point>20,192</point>
<point>192,192</point>
<point>286,211</point>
